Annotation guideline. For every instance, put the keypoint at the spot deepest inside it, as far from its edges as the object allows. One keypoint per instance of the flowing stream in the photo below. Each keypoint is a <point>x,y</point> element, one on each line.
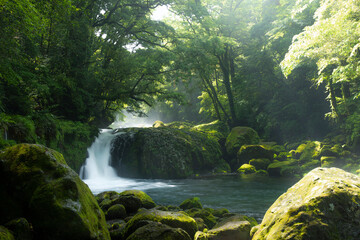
<point>248,195</point>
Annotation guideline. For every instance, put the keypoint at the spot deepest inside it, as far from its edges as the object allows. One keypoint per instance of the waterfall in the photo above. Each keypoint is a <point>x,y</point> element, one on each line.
<point>97,165</point>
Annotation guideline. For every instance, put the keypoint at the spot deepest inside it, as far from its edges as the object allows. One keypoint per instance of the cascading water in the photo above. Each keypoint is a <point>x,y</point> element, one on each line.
<point>97,171</point>
<point>97,165</point>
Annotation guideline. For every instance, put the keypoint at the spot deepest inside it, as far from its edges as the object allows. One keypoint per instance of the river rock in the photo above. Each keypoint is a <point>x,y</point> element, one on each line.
<point>20,228</point>
<point>166,152</point>
<point>158,231</point>
<point>191,203</point>
<point>172,219</point>
<point>325,204</point>
<point>248,152</point>
<point>37,184</point>
<point>5,234</point>
<point>233,228</point>
<point>240,136</point>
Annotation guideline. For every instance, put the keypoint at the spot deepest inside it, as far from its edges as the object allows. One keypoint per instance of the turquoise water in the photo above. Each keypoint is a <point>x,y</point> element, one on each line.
<point>247,195</point>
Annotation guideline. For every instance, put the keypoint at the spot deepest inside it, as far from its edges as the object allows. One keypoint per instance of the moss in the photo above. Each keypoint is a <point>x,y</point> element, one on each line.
<point>50,194</point>
<point>168,153</point>
<point>260,163</point>
<point>284,168</point>
<point>208,218</point>
<point>240,136</point>
<point>145,200</point>
<point>5,234</point>
<point>248,152</point>
<point>20,228</point>
<point>325,204</point>
<point>220,212</point>
<point>116,211</point>
<point>191,203</point>
<point>247,169</point>
<point>172,219</point>
<point>158,124</point>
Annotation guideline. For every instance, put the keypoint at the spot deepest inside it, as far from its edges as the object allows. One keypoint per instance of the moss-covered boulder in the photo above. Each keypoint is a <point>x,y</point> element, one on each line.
<point>158,231</point>
<point>172,219</point>
<point>248,152</point>
<point>5,234</point>
<point>116,211</point>
<point>260,163</point>
<point>240,136</point>
<point>20,228</point>
<point>165,152</point>
<point>287,168</point>
<point>158,124</point>
<point>204,214</point>
<point>325,204</point>
<point>132,200</point>
<point>235,227</point>
<point>246,169</point>
<point>191,203</point>
<point>37,184</point>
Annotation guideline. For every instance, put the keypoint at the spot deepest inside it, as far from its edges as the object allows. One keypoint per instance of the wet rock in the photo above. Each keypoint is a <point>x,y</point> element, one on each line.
<point>325,204</point>
<point>20,228</point>
<point>116,211</point>
<point>246,169</point>
<point>240,136</point>
<point>37,184</point>
<point>191,203</point>
<point>158,231</point>
<point>204,214</point>
<point>172,219</point>
<point>235,227</point>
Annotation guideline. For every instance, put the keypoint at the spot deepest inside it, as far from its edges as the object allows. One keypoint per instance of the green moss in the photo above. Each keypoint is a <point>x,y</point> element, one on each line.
<point>5,234</point>
<point>116,211</point>
<point>208,218</point>
<point>145,200</point>
<point>240,136</point>
<point>260,163</point>
<point>285,168</point>
<point>191,203</point>
<point>248,152</point>
<point>172,219</point>
<point>247,169</point>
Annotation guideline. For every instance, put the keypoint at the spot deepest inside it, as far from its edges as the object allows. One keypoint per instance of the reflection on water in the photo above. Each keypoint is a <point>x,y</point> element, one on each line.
<point>251,196</point>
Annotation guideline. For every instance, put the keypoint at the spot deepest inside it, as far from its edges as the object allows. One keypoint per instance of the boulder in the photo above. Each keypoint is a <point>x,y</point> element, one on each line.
<point>132,200</point>
<point>158,124</point>
<point>158,231</point>
<point>116,211</point>
<point>260,163</point>
<point>325,204</point>
<point>248,152</point>
<point>204,214</point>
<point>5,234</point>
<point>172,219</point>
<point>235,227</point>
<point>287,168</point>
<point>240,136</point>
<point>37,184</point>
<point>20,228</point>
<point>191,203</point>
<point>166,152</point>
<point>247,169</point>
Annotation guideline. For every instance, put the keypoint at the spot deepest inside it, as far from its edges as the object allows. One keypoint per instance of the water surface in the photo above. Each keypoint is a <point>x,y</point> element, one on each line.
<point>247,195</point>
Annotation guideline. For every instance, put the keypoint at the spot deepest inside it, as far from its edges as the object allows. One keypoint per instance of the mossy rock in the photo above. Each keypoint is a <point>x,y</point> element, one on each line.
<point>191,203</point>
<point>158,231</point>
<point>217,129</point>
<point>309,150</point>
<point>172,219</point>
<point>325,204</point>
<point>116,211</point>
<point>260,163</point>
<point>240,136</point>
<point>206,215</point>
<point>166,153</point>
<point>330,161</point>
<point>285,168</point>
<point>158,124</point>
<point>248,152</point>
<point>145,200</point>
<point>220,212</point>
<point>20,228</point>
<point>5,234</point>
<point>261,173</point>
<point>246,169</point>
<point>310,165</point>
<point>41,187</point>
<point>231,228</point>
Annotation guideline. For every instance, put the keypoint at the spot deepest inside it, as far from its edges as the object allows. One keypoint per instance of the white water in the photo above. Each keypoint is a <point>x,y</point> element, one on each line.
<point>97,172</point>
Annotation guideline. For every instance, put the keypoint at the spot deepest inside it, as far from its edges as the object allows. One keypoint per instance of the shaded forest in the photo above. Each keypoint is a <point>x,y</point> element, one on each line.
<point>288,69</point>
